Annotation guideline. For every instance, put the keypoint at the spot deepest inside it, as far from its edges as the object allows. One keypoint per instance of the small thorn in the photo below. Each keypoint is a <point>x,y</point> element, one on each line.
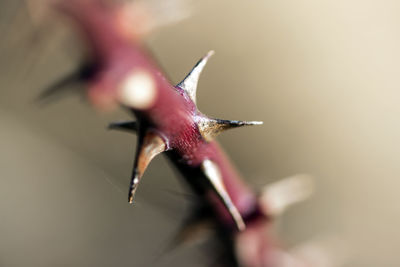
<point>130,126</point>
<point>196,227</point>
<point>82,74</point>
<point>211,128</point>
<point>189,84</point>
<point>213,174</point>
<point>149,146</point>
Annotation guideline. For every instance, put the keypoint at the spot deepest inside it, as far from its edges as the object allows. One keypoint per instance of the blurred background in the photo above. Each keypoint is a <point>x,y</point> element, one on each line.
<point>322,75</point>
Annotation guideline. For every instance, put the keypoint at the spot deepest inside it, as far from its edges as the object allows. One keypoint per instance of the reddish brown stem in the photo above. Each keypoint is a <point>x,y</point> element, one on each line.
<point>167,111</point>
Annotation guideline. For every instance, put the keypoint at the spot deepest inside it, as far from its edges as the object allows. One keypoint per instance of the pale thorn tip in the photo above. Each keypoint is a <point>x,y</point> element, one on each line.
<point>190,82</point>
<point>209,54</point>
<point>134,184</point>
<point>212,172</point>
<point>275,198</point>
<point>138,91</point>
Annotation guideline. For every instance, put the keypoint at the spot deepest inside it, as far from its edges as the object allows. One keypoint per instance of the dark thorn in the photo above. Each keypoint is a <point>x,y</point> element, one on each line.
<point>233,123</point>
<point>130,126</point>
<point>83,74</point>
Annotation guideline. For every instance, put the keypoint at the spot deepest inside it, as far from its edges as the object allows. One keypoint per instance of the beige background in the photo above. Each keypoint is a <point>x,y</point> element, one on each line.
<point>322,75</point>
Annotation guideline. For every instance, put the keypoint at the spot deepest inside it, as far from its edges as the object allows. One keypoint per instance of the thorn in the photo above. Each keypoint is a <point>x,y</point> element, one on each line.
<point>193,232</point>
<point>189,84</point>
<point>195,228</point>
<point>277,197</point>
<point>213,174</point>
<point>211,128</point>
<point>83,73</point>
<point>130,126</point>
<point>149,146</point>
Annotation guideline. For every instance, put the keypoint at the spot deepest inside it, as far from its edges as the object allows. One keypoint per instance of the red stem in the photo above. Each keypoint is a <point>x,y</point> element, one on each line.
<point>172,114</point>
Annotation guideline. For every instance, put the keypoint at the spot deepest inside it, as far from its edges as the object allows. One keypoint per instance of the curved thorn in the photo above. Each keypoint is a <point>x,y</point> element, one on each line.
<point>189,84</point>
<point>149,146</point>
<point>213,174</point>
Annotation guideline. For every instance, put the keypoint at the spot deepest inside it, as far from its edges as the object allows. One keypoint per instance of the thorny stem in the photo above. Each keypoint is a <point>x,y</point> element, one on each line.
<point>167,119</point>
<point>127,75</point>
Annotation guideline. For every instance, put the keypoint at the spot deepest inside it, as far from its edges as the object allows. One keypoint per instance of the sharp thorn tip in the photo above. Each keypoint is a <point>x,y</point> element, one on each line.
<point>256,122</point>
<point>210,54</point>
